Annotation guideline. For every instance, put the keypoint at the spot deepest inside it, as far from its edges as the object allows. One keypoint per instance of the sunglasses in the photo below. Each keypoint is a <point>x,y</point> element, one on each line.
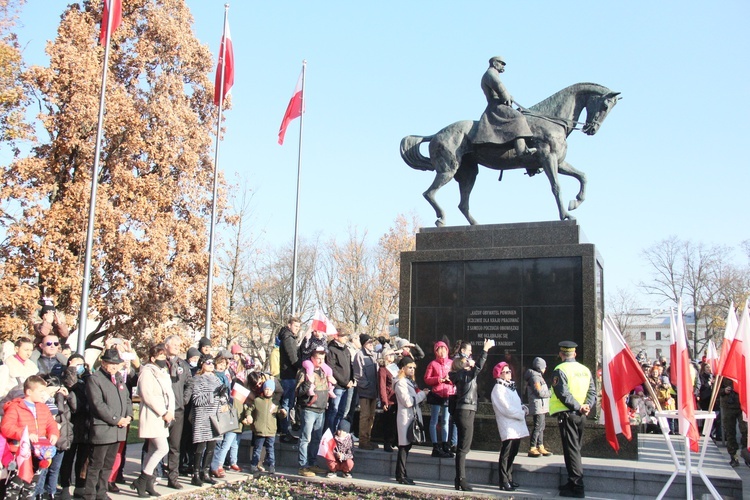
<point>50,344</point>
<point>209,362</point>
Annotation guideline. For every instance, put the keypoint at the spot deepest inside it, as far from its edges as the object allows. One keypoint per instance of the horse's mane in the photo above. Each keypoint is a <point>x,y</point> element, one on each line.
<point>552,103</point>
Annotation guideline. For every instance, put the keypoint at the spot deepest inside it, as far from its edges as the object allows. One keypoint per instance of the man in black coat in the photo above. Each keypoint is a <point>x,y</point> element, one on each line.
<point>180,372</point>
<point>110,414</point>
<point>289,363</point>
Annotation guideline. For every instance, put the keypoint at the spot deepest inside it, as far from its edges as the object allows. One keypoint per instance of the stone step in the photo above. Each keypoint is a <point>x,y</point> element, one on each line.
<point>540,477</point>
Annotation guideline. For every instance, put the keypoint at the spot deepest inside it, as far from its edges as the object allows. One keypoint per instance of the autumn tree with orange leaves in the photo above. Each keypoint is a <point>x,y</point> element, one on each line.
<point>149,260</point>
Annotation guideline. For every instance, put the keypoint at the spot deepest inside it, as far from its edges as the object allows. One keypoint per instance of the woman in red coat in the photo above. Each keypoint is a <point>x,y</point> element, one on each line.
<point>441,388</point>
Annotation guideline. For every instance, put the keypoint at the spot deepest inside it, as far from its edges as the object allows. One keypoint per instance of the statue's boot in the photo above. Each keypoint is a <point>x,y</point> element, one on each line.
<point>522,149</point>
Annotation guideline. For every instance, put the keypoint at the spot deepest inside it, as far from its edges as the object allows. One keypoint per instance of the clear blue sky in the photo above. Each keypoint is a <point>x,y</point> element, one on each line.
<point>670,159</point>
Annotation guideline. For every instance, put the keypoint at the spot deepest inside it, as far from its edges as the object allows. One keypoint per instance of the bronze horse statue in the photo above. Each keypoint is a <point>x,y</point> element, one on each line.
<point>453,155</point>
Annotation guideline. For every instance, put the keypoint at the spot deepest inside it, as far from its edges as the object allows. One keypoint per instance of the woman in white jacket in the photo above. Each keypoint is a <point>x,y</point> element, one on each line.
<point>511,422</point>
<point>408,398</point>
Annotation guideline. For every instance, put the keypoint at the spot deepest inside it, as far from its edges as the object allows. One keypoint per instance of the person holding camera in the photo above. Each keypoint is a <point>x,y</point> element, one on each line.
<point>157,412</point>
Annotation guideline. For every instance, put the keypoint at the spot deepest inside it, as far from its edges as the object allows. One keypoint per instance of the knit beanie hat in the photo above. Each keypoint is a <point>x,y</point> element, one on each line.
<point>364,338</point>
<point>496,372</point>
<point>345,426</point>
<point>269,384</point>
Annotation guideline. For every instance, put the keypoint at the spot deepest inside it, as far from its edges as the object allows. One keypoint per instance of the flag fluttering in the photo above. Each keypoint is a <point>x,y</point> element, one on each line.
<point>729,332</point>
<point>621,372</point>
<point>684,383</point>
<point>712,357</point>
<point>116,19</point>
<point>23,458</point>
<point>321,323</point>
<point>293,110</point>
<point>738,361</point>
<point>225,67</point>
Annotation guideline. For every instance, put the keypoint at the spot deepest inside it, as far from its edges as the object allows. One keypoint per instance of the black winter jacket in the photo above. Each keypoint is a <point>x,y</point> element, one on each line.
<point>466,385</point>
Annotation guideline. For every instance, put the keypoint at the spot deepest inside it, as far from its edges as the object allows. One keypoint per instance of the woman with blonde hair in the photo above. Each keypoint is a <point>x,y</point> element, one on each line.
<point>408,397</point>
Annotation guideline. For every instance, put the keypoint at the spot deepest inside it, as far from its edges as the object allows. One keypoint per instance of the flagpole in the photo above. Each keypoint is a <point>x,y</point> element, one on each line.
<point>296,209</point>
<point>209,290</point>
<point>83,313</point>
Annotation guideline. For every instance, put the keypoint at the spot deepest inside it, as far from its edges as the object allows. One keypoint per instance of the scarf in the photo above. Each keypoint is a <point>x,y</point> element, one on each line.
<point>510,385</point>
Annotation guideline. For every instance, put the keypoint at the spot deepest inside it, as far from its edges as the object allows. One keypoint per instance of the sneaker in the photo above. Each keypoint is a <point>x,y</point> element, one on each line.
<point>305,472</point>
<point>289,439</point>
<point>254,469</point>
<point>734,462</point>
<point>355,439</point>
<point>348,475</point>
<point>317,470</point>
<point>331,474</point>
<point>271,469</point>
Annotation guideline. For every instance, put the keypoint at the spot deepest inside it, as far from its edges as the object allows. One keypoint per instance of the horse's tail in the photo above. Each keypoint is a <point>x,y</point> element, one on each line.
<point>411,154</point>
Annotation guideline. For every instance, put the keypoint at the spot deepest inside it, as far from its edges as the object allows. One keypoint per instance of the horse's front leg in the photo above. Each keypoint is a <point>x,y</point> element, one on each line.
<point>549,164</point>
<point>566,168</point>
<point>466,176</point>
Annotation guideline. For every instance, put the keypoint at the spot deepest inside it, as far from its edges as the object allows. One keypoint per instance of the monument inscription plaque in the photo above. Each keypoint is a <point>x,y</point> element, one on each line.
<point>501,324</point>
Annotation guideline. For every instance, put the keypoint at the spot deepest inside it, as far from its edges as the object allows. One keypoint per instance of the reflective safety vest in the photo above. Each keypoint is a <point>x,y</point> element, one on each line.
<point>579,380</point>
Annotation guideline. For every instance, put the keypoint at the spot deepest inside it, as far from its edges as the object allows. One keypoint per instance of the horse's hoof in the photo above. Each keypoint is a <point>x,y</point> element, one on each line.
<point>573,204</point>
<point>439,223</point>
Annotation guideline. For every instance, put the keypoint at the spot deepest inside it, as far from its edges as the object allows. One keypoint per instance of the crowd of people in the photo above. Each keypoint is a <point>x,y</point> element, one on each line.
<point>643,403</point>
<point>193,407</point>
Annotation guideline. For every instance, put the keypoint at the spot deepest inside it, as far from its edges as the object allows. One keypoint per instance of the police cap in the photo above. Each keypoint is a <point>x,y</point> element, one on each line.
<point>567,346</point>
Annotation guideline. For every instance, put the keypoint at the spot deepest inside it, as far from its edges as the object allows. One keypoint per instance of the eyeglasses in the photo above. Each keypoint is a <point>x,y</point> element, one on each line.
<point>505,371</point>
<point>208,362</point>
<point>50,344</point>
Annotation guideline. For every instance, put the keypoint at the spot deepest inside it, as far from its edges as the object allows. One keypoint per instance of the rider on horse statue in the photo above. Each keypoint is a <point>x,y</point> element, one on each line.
<point>500,123</point>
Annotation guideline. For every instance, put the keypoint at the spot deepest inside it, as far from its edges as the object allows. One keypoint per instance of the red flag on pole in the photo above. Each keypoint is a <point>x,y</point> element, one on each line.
<point>225,66</point>
<point>293,110</point>
<point>685,397</point>
<point>712,357</point>
<point>620,374</point>
<point>116,19</point>
<point>738,361</point>
<point>729,332</point>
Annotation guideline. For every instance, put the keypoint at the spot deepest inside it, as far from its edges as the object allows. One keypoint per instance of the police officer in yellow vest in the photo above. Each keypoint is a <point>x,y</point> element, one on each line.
<point>573,397</point>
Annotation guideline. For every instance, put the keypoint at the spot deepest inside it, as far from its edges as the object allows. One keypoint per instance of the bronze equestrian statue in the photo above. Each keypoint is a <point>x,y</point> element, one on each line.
<point>457,150</point>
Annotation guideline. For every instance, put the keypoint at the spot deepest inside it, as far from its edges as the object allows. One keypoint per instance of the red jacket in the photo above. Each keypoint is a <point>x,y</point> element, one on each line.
<point>18,416</point>
<point>385,387</point>
<point>436,370</point>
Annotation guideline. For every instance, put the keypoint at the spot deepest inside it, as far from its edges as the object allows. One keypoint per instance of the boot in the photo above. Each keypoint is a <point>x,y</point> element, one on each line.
<point>544,451</point>
<point>447,450</point>
<point>535,452</point>
<point>65,494</point>
<point>462,484</point>
<point>437,451</point>
<point>140,485</point>
<point>150,484</point>
<point>206,477</point>
<point>196,481</point>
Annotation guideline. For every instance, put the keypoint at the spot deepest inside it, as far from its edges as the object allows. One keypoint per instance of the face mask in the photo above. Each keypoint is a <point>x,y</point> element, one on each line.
<point>193,364</point>
<point>161,363</point>
<point>80,369</point>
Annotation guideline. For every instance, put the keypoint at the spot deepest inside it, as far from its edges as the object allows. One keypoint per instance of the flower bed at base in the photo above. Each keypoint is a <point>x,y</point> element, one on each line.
<point>279,487</point>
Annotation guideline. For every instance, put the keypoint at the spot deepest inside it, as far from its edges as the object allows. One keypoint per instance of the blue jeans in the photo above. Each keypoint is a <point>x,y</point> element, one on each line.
<point>338,407</point>
<point>309,440</point>
<point>439,413</point>
<point>230,438</point>
<point>287,401</point>
<point>48,477</point>
<point>261,442</point>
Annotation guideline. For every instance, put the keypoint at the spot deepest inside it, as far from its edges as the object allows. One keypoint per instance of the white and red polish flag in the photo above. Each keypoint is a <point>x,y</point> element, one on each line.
<point>116,19</point>
<point>225,66</point>
<point>738,361</point>
<point>293,110</point>
<point>712,356</point>
<point>240,392</point>
<point>685,397</point>
<point>620,374</point>
<point>729,332</point>
<point>321,323</point>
